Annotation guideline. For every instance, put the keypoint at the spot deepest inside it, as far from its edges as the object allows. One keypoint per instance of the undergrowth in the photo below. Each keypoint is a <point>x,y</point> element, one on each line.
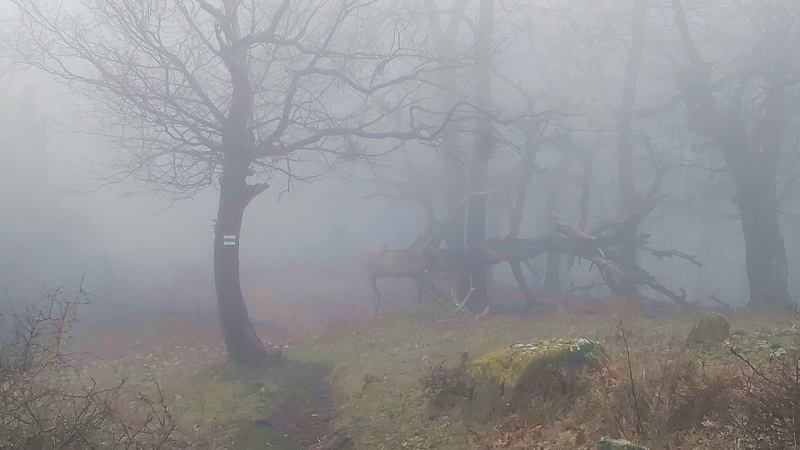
<point>770,393</point>
<point>687,397</point>
<point>45,403</point>
<point>399,383</point>
<point>444,386</point>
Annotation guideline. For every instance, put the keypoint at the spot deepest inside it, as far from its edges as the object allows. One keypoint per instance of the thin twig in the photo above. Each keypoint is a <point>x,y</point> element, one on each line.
<point>639,429</point>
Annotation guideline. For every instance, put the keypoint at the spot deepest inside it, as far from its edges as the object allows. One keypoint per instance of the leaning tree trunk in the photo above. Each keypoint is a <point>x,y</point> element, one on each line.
<point>241,341</point>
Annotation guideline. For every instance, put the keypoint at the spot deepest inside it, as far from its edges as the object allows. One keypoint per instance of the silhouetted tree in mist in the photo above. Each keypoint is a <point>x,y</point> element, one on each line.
<point>549,119</point>
<point>231,94</point>
<point>743,104</point>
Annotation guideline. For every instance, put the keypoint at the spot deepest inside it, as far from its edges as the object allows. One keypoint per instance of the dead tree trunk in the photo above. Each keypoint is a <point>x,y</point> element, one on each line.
<point>593,246</point>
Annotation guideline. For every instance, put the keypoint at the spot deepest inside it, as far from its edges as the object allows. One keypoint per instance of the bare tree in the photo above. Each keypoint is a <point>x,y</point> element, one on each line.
<point>231,94</point>
<point>743,105</point>
<point>445,40</point>
<point>599,244</point>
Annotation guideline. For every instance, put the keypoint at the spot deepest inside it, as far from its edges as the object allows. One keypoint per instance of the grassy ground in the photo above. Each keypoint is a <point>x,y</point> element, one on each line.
<point>400,352</point>
<point>375,398</point>
<point>685,395</point>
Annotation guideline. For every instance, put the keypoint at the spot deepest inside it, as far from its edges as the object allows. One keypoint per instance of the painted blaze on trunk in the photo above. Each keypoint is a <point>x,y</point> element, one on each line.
<point>241,341</point>
<point>244,346</point>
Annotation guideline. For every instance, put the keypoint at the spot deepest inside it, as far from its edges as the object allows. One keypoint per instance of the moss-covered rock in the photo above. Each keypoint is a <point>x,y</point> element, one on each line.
<point>501,380</point>
<point>709,330</point>
<point>617,444</point>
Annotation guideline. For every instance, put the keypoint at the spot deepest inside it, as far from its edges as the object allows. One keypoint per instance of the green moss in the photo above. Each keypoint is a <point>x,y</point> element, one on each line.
<point>503,380</point>
<point>510,365</point>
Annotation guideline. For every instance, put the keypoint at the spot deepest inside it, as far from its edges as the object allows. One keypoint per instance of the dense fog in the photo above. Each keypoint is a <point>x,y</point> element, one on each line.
<point>367,224</point>
<point>62,219</point>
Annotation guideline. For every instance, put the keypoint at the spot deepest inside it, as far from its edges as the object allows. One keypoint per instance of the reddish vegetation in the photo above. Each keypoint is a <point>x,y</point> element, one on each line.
<point>125,342</point>
<point>287,304</point>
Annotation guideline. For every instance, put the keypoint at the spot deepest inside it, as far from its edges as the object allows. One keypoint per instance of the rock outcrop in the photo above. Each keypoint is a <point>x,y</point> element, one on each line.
<point>709,330</point>
<point>505,379</point>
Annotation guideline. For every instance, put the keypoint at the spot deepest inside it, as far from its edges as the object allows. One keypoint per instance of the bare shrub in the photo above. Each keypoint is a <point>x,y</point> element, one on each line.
<point>45,403</point>
<point>445,387</point>
<point>678,389</point>
<point>770,391</point>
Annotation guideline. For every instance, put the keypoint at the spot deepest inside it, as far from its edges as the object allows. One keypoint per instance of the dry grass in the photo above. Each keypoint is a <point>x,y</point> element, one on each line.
<point>385,376</point>
<point>45,403</point>
<point>687,397</point>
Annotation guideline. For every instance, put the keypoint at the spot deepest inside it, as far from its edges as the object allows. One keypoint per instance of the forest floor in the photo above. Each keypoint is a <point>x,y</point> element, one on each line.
<point>348,383</point>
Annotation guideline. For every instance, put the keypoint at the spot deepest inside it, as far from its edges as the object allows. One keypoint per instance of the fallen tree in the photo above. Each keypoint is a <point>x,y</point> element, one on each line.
<point>425,257</point>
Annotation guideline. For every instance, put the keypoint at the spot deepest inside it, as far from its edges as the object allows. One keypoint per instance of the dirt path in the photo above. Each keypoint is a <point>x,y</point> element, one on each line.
<point>297,409</point>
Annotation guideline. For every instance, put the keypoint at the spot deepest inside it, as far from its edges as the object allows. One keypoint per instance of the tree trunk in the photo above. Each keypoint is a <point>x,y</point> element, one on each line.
<point>765,255</point>
<point>445,40</point>
<point>241,341</point>
<point>456,191</point>
<point>476,233</point>
<point>628,197</point>
<point>754,169</point>
<point>552,273</point>
<point>483,144</point>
